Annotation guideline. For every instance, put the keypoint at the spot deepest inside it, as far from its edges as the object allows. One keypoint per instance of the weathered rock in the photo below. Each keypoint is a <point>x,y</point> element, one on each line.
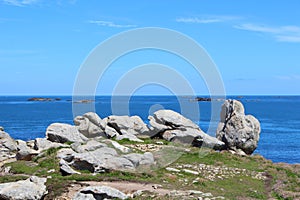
<point>236,130</point>
<point>91,145</point>
<point>31,189</point>
<point>110,132</point>
<point>65,169</point>
<point>8,146</point>
<point>140,159</point>
<point>100,160</point>
<point>120,147</point>
<point>66,154</point>
<point>42,144</point>
<point>61,133</point>
<point>24,151</point>
<point>127,125</point>
<point>172,120</point>
<point>99,192</point>
<point>90,125</point>
<point>172,126</point>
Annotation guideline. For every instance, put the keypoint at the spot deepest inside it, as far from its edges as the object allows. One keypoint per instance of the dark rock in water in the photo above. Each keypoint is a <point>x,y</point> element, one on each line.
<point>203,99</point>
<point>43,99</point>
<point>84,101</point>
<point>40,99</point>
<point>237,130</point>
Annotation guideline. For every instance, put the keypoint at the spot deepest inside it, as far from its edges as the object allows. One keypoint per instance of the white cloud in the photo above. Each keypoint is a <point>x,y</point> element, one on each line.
<point>20,3</point>
<point>280,33</point>
<point>206,20</point>
<point>111,24</point>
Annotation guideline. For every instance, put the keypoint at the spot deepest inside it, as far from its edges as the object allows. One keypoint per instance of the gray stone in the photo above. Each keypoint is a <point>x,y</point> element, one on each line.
<point>33,188</point>
<point>100,160</point>
<point>61,133</point>
<point>24,152</point>
<point>90,125</point>
<point>91,145</point>
<point>8,147</point>
<point>110,132</point>
<point>65,169</point>
<point>42,144</point>
<point>7,142</point>
<point>237,130</point>
<point>124,124</point>
<point>140,159</point>
<point>120,147</point>
<point>99,192</point>
<point>67,154</point>
<point>172,119</point>
<point>174,127</point>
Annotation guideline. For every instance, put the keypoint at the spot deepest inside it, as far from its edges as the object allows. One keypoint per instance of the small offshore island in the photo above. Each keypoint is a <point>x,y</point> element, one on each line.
<point>120,157</point>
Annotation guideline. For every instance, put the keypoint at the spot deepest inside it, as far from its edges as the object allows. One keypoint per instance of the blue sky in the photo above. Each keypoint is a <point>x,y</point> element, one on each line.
<point>255,44</point>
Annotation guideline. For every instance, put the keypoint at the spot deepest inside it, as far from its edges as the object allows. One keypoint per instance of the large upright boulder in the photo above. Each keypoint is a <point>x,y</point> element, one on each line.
<point>33,188</point>
<point>8,146</point>
<point>237,130</point>
<point>172,126</point>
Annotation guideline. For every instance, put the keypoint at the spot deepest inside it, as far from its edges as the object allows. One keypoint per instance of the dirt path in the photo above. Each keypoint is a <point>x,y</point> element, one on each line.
<point>124,186</point>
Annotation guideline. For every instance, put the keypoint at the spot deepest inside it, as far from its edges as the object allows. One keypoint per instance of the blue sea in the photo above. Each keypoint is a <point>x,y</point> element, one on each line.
<point>279,117</point>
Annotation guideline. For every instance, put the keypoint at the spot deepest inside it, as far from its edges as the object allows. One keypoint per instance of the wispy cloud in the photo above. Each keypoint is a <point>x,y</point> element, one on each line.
<point>20,3</point>
<point>207,20</point>
<point>111,24</point>
<point>288,77</point>
<point>280,33</point>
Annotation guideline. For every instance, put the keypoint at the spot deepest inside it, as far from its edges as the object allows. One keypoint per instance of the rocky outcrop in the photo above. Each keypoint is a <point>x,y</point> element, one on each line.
<point>8,147</point>
<point>90,125</point>
<point>172,126</point>
<point>32,188</point>
<point>42,144</point>
<point>24,151</point>
<point>61,133</point>
<point>237,130</point>
<point>98,157</point>
<point>99,192</point>
<point>118,127</point>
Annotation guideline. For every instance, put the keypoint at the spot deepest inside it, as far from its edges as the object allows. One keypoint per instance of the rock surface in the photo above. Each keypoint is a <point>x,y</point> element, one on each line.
<point>42,144</point>
<point>97,157</point>
<point>237,130</point>
<point>61,133</point>
<point>172,126</point>
<point>99,192</point>
<point>24,151</point>
<point>32,188</point>
<point>90,125</point>
<point>8,146</point>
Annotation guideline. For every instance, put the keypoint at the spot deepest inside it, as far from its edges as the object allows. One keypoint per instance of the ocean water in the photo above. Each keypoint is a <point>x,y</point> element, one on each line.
<point>279,117</point>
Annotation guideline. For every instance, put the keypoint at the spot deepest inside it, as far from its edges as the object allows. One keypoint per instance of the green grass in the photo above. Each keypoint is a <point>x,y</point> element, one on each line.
<point>238,186</point>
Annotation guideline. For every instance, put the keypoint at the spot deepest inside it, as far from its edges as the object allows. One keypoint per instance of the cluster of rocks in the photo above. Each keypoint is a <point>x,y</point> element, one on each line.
<point>88,145</point>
